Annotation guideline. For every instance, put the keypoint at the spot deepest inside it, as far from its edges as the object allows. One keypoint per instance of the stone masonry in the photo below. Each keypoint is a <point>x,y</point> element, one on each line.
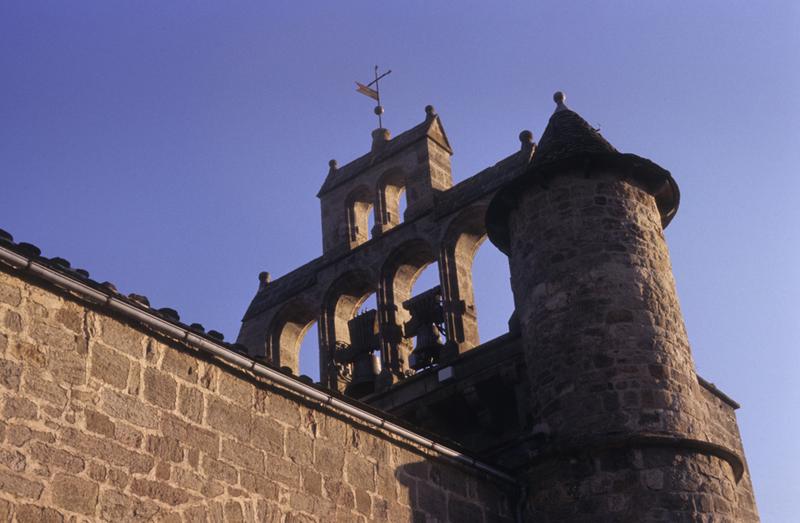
<point>103,421</point>
<point>589,409</point>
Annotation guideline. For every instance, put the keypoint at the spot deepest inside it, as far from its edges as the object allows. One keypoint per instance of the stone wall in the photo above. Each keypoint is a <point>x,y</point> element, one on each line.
<point>102,421</point>
<point>624,426</point>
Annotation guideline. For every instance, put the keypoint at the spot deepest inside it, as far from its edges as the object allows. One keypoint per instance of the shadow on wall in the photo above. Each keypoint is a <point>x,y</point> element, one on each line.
<point>443,493</point>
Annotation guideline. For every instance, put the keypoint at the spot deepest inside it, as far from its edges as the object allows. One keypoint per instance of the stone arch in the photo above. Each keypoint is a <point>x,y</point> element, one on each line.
<point>390,189</point>
<point>462,239</point>
<point>287,331</point>
<point>398,274</point>
<point>341,303</point>
<point>358,206</point>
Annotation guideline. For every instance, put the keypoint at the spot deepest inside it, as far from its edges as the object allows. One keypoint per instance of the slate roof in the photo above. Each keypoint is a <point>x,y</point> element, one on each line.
<point>567,143</point>
<point>568,135</point>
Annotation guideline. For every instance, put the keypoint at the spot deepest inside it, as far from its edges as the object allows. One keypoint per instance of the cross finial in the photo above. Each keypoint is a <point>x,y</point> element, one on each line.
<point>375,93</point>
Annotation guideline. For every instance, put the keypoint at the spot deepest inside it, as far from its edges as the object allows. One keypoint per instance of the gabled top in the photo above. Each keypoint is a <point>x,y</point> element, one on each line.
<point>430,128</point>
<point>569,143</point>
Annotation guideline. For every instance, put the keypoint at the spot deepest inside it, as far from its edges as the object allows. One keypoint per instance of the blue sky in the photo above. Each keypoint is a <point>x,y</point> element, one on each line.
<point>175,149</point>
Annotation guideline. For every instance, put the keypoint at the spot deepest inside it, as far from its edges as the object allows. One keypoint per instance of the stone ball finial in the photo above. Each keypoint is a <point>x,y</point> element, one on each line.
<point>526,137</point>
<point>559,97</point>
<point>430,112</point>
<point>333,164</point>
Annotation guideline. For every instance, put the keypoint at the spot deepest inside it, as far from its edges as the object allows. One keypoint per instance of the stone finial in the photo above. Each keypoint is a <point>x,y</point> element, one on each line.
<point>263,280</point>
<point>526,142</point>
<point>333,165</point>
<point>380,137</point>
<point>559,98</point>
<point>430,112</point>
<point>526,137</point>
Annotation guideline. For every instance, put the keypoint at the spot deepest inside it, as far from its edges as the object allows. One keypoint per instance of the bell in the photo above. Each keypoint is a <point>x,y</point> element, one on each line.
<point>365,369</point>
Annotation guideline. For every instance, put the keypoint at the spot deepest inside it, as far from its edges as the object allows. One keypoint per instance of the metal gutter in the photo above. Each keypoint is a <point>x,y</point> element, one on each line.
<point>231,357</point>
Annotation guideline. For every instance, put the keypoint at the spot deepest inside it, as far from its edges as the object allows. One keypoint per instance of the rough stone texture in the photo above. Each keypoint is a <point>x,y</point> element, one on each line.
<point>443,224</point>
<point>143,430</point>
<point>608,358</point>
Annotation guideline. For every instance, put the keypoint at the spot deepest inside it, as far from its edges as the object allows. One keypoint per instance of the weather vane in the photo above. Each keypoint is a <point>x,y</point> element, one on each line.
<point>375,94</point>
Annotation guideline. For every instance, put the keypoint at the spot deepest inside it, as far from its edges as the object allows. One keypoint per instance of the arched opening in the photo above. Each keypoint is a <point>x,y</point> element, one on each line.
<point>289,329</point>
<point>401,271</point>
<point>465,235</point>
<point>402,204</point>
<point>370,303</point>
<point>351,334</point>
<point>427,279</point>
<point>391,199</point>
<point>309,353</point>
<point>358,213</point>
<point>491,282</point>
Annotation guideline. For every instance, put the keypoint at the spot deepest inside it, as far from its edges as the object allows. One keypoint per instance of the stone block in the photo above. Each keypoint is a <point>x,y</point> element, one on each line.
<point>260,485</point>
<point>68,368</point>
<point>109,366</point>
<point>180,365</point>
<point>19,486</point>
<point>166,448</point>
<point>128,436</point>
<point>215,469</point>
<point>10,294</point>
<point>160,389</point>
<point>116,506</point>
<point>99,423</point>
<point>34,514</point>
<point>52,336</point>
<point>228,418</point>
<point>190,403</point>
<point>9,374</point>
<point>299,447</point>
<point>283,471</point>
<point>190,435</point>
<point>243,455</point>
<point>19,407</point>
<point>128,408</point>
<point>36,386</point>
<point>267,435</point>
<point>30,354</point>
<point>360,473</point>
<point>12,460</point>
<point>120,336</point>
<point>13,321</point>
<point>74,494</point>
<point>18,435</point>
<point>54,457</point>
<point>160,491</point>
<point>328,460</point>
<point>97,471</point>
<point>106,450</point>
<point>71,317</point>
<point>236,389</point>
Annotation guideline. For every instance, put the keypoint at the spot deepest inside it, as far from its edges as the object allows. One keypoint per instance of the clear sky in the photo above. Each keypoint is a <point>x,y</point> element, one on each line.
<point>175,149</point>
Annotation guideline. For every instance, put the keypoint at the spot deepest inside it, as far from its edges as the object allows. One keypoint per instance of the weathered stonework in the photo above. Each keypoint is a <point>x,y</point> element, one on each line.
<point>622,428</point>
<point>143,429</point>
<point>588,410</point>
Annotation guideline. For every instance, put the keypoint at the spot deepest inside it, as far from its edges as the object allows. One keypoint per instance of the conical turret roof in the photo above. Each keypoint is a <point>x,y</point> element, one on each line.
<point>570,143</point>
<point>568,135</point>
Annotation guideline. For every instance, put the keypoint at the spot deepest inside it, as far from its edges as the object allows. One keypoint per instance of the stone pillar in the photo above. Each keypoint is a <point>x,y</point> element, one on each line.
<point>616,412</point>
